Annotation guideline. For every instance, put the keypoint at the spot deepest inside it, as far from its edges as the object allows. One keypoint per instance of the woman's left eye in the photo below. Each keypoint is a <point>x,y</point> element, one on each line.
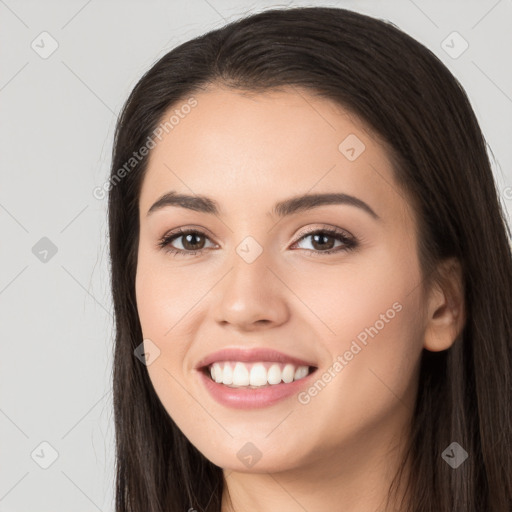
<point>324,238</point>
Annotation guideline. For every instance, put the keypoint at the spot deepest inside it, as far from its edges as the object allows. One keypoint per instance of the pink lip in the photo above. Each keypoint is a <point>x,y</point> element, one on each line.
<point>252,398</point>
<point>248,355</point>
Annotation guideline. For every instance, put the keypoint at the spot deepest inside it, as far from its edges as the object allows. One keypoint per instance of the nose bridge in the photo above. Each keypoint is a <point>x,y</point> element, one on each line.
<point>250,292</point>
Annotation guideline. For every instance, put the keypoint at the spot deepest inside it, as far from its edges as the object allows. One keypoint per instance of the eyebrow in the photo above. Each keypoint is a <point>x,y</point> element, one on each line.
<point>283,208</point>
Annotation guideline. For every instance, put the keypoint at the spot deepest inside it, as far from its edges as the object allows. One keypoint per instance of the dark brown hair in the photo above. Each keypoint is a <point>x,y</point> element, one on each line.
<point>403,92</point>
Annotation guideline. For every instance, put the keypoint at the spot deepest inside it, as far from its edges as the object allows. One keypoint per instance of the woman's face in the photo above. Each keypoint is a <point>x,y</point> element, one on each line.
<point>254,277</point>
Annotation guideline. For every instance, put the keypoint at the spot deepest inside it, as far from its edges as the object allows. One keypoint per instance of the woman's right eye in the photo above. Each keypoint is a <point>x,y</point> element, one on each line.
<point>189,237</point>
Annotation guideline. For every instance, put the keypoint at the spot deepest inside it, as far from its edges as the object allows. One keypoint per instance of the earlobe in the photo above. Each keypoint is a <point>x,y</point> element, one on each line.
<point>446,307</point>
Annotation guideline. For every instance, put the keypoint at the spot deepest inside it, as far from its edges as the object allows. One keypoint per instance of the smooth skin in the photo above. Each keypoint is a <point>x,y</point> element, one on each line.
<point>248,152</point>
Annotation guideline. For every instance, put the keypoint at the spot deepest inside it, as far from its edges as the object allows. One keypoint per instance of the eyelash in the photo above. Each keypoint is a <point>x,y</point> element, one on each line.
<point>350,243</point>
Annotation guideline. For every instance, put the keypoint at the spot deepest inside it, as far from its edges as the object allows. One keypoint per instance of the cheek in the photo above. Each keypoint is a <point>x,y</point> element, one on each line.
<point>375,313</point>
<point>371,317</point>
<point>371,380</point>
<point>365,291</point>
<point>162,306</point>
<point>164,296</point>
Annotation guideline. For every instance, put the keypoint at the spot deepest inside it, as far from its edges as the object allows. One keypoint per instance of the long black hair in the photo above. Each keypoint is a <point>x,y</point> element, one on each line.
<point>409,98</point>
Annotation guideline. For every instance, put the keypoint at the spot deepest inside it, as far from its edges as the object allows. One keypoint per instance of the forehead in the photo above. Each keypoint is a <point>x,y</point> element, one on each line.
<point>256,148</point>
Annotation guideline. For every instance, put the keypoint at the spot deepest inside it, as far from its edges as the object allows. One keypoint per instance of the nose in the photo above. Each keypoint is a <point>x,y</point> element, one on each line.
<point>251,296</point>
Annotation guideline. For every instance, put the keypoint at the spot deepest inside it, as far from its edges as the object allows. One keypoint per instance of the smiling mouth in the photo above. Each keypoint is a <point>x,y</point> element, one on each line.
<point>255,375</point>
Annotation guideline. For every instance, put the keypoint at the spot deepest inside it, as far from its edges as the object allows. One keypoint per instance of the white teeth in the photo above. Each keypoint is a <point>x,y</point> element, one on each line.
<point>300,372</point>
<point>227,376</point>
<point>255,374</point>
<point>258,375</point>
<point>274,374</point>
<point>217,371</point>
<point>240,375</point>
<point>288,372</point>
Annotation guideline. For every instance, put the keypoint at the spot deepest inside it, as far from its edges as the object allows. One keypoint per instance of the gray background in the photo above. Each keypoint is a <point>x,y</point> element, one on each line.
<point>57,116</point>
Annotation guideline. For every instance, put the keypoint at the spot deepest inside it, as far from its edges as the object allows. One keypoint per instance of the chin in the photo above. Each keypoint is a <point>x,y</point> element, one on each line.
<point>251,457</point>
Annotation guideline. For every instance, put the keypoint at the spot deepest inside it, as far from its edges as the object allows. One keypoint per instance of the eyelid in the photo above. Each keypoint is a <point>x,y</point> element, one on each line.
<point>322,227</point>
<point>186,229</point>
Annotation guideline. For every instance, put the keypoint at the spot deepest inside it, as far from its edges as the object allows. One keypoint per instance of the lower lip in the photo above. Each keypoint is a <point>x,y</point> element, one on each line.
<point>243,398</point>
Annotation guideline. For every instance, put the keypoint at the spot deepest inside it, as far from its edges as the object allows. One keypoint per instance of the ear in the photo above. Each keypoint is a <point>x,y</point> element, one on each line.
<point>446,314</point>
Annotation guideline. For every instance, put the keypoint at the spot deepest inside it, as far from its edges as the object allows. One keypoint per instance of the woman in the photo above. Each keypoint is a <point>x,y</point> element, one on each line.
<point>311,275</point>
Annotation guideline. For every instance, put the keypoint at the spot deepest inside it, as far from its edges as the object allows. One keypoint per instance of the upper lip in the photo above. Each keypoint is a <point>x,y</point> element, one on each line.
<point>253,354</point>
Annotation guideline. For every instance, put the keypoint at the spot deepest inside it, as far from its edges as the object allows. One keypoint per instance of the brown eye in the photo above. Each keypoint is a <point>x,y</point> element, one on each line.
<point>323,241</point>
<point>192,241</point>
